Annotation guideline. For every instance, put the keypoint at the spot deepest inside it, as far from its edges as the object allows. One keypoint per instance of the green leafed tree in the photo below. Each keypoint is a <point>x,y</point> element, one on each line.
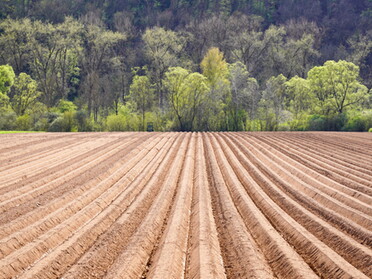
<point>142,96</point>
<point>300,96</point>
<point>194,94</point>
<point>273,102</point>
<point>98,59</point>
<point>361,54</point>
<point>244,95</point>
<point>54,50</point>
<point>187,92</point>
<point>173,82</point>
<point>336,86</point>
<point>215,69</point>
<point>15,43</point>
<point>7,77</point>
<point>6,8</point>
<point>163,48</point>
<point>301,102</point>
<point>23,94</point>
<point>299,56</point>
<point>261,52</point>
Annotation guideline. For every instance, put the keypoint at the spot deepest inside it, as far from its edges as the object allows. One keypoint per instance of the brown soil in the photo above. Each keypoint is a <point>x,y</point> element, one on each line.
<point>186,205</point>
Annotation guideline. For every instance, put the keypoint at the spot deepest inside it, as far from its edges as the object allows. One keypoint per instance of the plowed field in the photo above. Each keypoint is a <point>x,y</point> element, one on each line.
<point>186,205</point>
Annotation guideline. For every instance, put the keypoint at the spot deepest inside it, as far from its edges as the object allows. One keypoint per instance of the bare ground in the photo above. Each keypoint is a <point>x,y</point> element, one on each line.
<point>186,205</point>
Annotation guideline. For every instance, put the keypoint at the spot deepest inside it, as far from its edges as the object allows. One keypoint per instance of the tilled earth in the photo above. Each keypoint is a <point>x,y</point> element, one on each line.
<point>186,205</point>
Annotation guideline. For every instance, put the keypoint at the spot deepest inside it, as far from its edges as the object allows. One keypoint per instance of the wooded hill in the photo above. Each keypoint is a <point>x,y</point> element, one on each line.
<point>186,65</point>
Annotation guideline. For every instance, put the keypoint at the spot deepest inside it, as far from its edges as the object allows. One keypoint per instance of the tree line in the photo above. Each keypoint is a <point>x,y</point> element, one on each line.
<point>223,72</point>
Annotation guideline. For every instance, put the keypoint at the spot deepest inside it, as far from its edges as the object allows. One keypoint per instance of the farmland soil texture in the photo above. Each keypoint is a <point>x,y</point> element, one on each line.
<point>186,205</point>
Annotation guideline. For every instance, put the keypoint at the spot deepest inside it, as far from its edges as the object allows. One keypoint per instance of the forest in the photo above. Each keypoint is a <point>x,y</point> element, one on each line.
<point>176,65</point>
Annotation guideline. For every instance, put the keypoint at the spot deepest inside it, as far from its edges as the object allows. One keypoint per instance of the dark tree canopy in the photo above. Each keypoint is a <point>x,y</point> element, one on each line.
<point>98,54</point>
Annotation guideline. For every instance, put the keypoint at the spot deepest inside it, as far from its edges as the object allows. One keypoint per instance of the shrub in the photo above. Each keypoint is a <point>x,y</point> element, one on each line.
<point>119,123</point>
<point>317,122</point>
<point>57,125</point>
<point>37,115</point>
<point>51,116</point>
<point>98,126</point>
<point>160,122</point>
<point>336,122</point>
<point>358,121</point>
<point>327,123</point>
<point>64,105</point>
<point>116,123</point>
<point>355,124</point>
<point>370,130</point>
<point>83,121</point>
<point>45,120</point>
<point>253,125</point>
<point>284,127</point>
<point>367,117</point>
<point>300,122</point>
<point>42,124</point>
<point>23,123</point>
<point>7,120</point>
<point>64,123</point>
<point>69,121</point>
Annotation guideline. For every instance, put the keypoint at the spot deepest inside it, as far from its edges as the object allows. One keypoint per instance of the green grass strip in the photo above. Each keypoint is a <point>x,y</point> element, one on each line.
<point>16,132</point>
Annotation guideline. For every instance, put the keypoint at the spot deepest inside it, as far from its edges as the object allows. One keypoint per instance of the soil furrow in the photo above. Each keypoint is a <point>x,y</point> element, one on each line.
<point>323,260</point>
<point>322,191</point>
<point>19,146</point>
<point>110,244</point>
<point>101,213</point>
<point>263,175</point>
<point>329,139</point>
<point>131,263</point>
<point>48,192</point>
<point>34,153</point>
<point>22,237</point>
<point>204,258</point>
<point>321,159</point>
<point>33,171</point>
<point>333,139</point>
<point>29,182</point>
<point>84,182</point>
<point>283,153</point>
<point>351,250</point>
<point>173,244</point>
<point>284,261</point>
<point>344,157</point>
<point>242,256</point>
<point>325,167</point>
<point>186,205</point>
